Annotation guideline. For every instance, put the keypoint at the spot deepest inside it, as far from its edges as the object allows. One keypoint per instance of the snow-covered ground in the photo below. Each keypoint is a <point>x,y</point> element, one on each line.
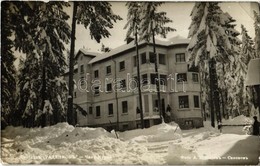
<point>161,144</point>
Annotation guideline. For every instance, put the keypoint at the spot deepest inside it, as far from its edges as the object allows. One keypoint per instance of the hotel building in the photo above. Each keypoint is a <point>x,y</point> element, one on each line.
<point>105,86</point>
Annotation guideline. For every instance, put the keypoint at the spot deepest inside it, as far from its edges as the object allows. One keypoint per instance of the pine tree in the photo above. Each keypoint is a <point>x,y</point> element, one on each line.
<point>41,31</point>
<point>153,23</point>
<point>133,24</point>
<point>247,47</point>
<point>97,17</point>
<point>257,33</point>
<point>209,45</point>
<point>8,73</point>
<point>228,80</point>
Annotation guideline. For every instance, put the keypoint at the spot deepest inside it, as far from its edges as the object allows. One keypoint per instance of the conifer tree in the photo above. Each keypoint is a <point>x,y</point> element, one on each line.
<point>133,24</point>
<point>96,16</point>
<point>152,24</point>
<point>226,71</point>
<point>257,33</point>
<point>41,31</point>
<point>209,44</point>
<point>8,72</point>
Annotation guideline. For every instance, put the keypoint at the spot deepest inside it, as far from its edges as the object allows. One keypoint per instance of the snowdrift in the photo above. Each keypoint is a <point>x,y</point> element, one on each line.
<point>157,133</point>
<point>239,120</point>
<point>65,144</point>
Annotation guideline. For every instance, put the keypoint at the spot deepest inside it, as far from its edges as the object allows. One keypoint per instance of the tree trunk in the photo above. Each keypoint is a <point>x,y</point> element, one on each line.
<point>43,92</point>
<point>211,104</point>
<point>70,114</point>
<point>138,80</point>
<point>214,93</point>
<point>162,112</point>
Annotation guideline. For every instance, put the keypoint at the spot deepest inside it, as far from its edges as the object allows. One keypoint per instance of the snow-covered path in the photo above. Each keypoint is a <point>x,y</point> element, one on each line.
<point>161,144</point>
<point>244,152</point>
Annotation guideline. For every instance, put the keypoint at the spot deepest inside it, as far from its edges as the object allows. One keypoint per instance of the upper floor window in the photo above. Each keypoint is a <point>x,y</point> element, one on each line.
<point>110,109</point>
<point>75,94</point>
<point>108,70</point>
<point>81,68</point>
<point>181,77</point>
<point>152,57</point>
<point>123,84</point>
<point>96,74</point>
<point>196,101</point>
<point>180,57</point>
<point>124,107</point>
<point>144,79</point>
<point>163,79</point>
<point>135,60</point>
<point>82,80</point>
<point>109,87</point>
<point>183,101</point>
<point>98,113</point>
<point>154,78</point>
<point>96,90</point>
<point>162,59</point>
<point>122,65</point>
<point>143,58</point>
<point>195,77</point>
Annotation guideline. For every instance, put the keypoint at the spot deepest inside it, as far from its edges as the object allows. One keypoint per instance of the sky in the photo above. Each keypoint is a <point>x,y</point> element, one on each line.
<point>179,12</point>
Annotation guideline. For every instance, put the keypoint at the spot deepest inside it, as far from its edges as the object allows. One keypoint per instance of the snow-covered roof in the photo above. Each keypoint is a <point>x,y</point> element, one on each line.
<point>87,53</point>
<point>253,73</point>
<point>172,41</point>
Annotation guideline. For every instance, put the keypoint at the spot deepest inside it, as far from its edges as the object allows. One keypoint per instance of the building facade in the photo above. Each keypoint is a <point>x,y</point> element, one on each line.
<point>106,87</point>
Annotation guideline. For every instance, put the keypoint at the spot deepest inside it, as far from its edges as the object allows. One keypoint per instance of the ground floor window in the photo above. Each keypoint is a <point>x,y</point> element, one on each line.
<point>125,127</point>
<point>97,111</point>
<point>196,101</point>
<point>189,123</point>
<point>183,101</point>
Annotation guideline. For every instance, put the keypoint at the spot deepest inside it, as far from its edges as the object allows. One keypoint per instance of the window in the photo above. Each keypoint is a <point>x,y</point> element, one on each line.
<point>90,110</point>
<point>96,90</point>
<point>183,101</point>
<point>81,68</point>
<point>125,127</point>
<point>195,77</point>
<point>188,123</point>
<point>108,69</point>
<point>122,65</point>
<point>82,80</point>
<point>162,59</point>
<point>153,78</point>
<point>143,58</point>
<point>134,60</point>
<point>96,73</point>
<point>110,109</point>
<point>136,81</point>
<point>163,80</point>
<point>152,57</point>
<point>180,57</point>
<point>196,101</point>
<point>181,77</point>
<point>75,94</point>
<point>124,107</point>
<point>98,114</point>
<point>122,84</point>
<point>109,87</point>
<point>144,79</point>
